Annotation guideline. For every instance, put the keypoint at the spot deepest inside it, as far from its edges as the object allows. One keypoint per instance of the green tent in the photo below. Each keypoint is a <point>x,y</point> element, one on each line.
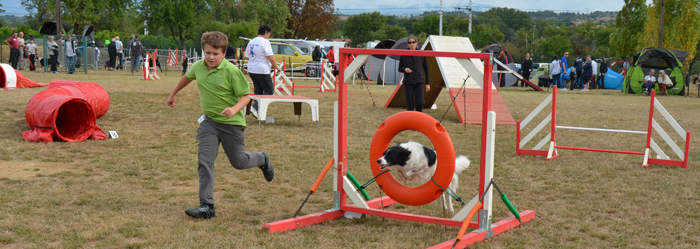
<point>669,60</point>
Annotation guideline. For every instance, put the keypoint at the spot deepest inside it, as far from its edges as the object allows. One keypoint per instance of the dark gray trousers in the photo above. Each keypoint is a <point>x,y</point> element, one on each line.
<point>209,135</point>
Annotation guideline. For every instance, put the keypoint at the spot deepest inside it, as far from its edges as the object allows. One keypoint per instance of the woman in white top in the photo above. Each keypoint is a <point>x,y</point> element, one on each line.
<point>53,54</point>
<point>649,82</point>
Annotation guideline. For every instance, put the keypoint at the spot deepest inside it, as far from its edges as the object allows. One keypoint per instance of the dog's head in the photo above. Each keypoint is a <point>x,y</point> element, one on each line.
<point>394,156</point>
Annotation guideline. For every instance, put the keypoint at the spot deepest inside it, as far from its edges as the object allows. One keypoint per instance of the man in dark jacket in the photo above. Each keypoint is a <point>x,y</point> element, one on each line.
<point>526,67</point>
<point>416,74</point>
<point>603,69</point>
<point>577,79</point>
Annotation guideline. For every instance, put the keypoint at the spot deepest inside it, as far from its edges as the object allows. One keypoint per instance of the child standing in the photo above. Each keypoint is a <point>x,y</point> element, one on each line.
<point>223,93</point>
<point>31,50</point>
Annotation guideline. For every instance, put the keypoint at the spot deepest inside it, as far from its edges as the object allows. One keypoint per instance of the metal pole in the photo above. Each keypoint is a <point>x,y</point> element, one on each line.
<point>470,16</point>
<point>440,17</point>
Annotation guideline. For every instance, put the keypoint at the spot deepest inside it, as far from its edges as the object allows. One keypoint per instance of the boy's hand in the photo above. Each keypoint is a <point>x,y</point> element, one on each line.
<point>230,112</point>
<point>408,70</point>
<point>171,101</point>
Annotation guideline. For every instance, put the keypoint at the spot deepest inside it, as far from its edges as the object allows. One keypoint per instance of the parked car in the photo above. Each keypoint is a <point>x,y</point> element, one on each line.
<point>292,55</point>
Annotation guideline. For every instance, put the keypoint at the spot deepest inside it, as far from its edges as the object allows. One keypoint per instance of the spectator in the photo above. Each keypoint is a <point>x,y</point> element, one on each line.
<point>53,54</point>
<point>555,71</point>
<point>128,46</point>
<point>587,74</point>
<point>316,54</point>
<point>578,68</point>
<point>603,69</point>
<point>120,52</point>
<point>331,60</point>
<point>503,59</point>
<point>22,51</point>
<point>184,63</point>
<point>230,53</point>
<point>31,50</point>
<point>564,68</point>
<point>595,73</point>
<point>362,73</point>
<point>526,68</point>
<point>649,81</point>
<point>97,58</point>
<point>69,48</point>
<point>14,49</point>
<point>136,49</point>
<point>416,70</point>
<point>112,51</point>
<point>664,82</point>
<point>260,58</point>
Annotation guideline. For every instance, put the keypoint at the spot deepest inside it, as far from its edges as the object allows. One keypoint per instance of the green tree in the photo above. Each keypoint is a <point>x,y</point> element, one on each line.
<point>360,28</point>
<point>681,26</point>
<point>176,17</point>
<point>505,19</point>
<point>314,19</point>
<point>429,24</point>
<point>553,47</point>
<point>393,32</point>
<point>630,24</point>
<point>271,12</point>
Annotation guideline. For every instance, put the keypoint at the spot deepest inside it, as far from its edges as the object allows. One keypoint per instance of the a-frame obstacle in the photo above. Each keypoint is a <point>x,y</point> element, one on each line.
<point>450,72</point>
<point>342,188</point>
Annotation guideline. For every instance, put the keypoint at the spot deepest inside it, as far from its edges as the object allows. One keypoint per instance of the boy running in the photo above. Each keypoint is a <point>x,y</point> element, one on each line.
<point>223,93</point>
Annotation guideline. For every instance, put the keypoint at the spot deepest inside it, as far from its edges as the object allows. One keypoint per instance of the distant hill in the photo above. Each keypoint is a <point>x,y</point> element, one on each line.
<point>12,19</point>
<point>600,17</point>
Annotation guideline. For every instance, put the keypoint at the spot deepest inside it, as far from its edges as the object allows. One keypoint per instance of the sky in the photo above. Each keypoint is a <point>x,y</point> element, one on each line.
<point>408,7</point>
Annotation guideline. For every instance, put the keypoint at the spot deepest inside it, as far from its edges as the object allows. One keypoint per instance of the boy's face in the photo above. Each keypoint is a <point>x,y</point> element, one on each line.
<point>212,56</point>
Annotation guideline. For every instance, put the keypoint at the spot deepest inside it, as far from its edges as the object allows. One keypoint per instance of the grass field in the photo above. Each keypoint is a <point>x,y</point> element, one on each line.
<point>131,192</point>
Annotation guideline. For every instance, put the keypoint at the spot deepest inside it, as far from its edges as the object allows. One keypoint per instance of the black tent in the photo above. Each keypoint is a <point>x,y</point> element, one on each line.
<point>49,28</point>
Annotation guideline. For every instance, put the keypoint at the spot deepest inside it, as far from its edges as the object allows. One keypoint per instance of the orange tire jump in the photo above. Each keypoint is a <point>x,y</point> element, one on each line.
<point>423,123</point>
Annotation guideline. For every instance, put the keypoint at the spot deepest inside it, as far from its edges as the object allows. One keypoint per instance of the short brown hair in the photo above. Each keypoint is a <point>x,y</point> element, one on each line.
<point>215,39</point>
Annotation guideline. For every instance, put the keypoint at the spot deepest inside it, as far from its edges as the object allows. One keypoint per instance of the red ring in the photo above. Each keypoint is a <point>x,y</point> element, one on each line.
<point>423,123</point>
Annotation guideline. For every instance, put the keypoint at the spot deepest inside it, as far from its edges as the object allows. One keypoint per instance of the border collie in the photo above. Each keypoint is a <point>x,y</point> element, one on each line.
<point>414,162</point>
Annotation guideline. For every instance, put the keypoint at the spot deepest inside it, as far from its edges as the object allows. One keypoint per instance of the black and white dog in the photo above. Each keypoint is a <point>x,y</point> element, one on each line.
<point>414,162</point>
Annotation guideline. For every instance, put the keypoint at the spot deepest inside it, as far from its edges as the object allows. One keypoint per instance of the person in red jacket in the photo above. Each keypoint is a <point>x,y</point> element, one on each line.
<point>331,60</point>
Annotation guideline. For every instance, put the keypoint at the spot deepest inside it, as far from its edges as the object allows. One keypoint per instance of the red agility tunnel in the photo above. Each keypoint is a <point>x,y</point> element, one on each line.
<point>67,111</point>
<point>11,79</point>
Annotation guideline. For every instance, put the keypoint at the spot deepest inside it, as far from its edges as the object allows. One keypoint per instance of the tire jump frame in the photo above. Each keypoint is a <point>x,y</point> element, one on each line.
<point>551,153</point>
<point>343,187</point>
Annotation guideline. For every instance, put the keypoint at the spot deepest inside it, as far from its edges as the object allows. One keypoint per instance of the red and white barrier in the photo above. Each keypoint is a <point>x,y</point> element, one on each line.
<point>552,153</point>
<point>150,72</point>
<point>328,80</point>
<point>282,82</point>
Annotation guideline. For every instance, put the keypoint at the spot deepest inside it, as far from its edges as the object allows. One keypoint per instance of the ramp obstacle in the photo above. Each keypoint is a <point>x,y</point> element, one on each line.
<point>517,75</point>
<point>344,188</point>
<point>651,145</point>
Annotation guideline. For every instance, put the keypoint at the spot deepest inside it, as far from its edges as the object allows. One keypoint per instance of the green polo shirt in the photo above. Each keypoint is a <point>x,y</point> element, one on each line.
<point>219,88</point>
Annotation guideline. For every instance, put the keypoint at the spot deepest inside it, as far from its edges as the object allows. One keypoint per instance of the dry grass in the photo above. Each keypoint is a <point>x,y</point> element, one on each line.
<point>132,191</point>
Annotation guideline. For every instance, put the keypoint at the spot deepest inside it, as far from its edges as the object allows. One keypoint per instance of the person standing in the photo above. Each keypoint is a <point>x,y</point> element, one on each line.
<point>564,68</point>
<point>97,58</point>
<point>120,52</point>
<point>230,53</point>
<point>112,51</point>
<point>69,49</point>
<point>555,71</point>
<point>578,68</point>
<point>53,54</point>
<point>587,74</point>
<point>224,94</point>
<point>603,69</point>
<point>595,74</point>
<point>31,50</point>
<point>503,59</point>
<point>135,50</point>
<point>316,54</point>
<point>526,67</point>
<point>416,76</point>
<point>14,49</point>
<point>331,60</point>
<point>260,58</point>
<point>22,51</point>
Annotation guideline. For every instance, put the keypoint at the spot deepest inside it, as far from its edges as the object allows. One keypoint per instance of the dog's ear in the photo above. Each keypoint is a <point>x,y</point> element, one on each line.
<point>405,154</point>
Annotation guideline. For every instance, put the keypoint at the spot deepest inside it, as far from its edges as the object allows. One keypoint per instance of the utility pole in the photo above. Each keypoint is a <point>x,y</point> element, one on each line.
<point>58,17</point>
<point>661,24</point>
<point>440,17</point>
<point>470,14</point>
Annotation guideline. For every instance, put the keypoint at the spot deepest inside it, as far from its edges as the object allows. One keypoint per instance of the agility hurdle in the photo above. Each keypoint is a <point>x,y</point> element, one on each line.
<point>654,105</point>
<point>343,188</point>
<point>147,73</point>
